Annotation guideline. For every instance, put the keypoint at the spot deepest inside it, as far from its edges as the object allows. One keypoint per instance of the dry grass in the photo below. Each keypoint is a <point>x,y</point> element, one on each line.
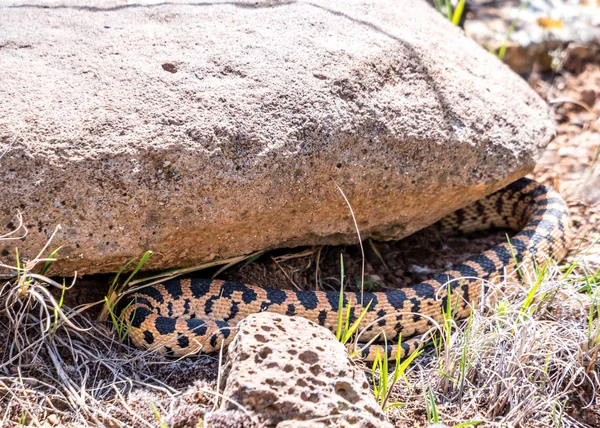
<point>58,367</point>
<point>514,363</point>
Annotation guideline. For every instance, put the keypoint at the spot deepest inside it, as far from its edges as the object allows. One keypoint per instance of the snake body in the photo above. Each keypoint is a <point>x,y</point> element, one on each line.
<point>185,316</point>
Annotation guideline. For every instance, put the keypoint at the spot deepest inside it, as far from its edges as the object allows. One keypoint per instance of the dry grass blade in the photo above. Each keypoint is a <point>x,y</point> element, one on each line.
<point>572,101</point>
<point>290,256</point>
<point>143,282</point>
<point>513,367</point>
<point>19,232</point>
<point>362,250</point>
<point>56,363</point>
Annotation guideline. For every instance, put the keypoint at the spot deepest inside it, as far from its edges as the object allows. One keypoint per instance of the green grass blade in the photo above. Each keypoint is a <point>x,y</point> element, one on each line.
<point>141,264</point>
<point>432,413</point>
<point>347,322</point>
<point>457,15</point>
<point>374,368</point>
<point>513,254</point>
<point>533,290</point>
<point>338,333</point>
<point>113,286</point>
<point>48,263</point>
<point>392,406</point>
<point>253,258</point>
<point>468,424</point>
<point>511,29</point>
<point>350,330</point>
<point>404,365</point>
<point>18,260</point>
<point>449,10</point>
<point>383,374</point>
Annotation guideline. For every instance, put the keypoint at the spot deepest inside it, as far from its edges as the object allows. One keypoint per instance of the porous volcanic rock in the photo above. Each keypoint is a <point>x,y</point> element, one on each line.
<point>290,372</point>
<point>213,129</point>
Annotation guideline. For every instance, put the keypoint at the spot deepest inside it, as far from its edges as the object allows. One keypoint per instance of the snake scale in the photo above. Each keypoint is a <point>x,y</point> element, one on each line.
<point>185,316</point>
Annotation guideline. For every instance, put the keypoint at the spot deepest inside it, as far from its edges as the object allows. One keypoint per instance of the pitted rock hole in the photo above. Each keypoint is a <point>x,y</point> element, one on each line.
<point>309,357</point>
<point>313,397</point>
<point>315,369</point>
<point>266,328</point>
<point>345,390</point>
<point>275,382</point>
<point>260,338</point>
<point>316,382</point>
<point>171,68</point>
<point>288,368</point>
<point>265,352</point>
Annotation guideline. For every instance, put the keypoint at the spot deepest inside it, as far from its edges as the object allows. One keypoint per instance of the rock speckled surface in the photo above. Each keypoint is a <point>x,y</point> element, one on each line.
<point>290,372</point>
<point>209,130</point>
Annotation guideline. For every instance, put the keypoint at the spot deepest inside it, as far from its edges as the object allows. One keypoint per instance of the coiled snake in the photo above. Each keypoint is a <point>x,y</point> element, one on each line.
<point>186,316</point>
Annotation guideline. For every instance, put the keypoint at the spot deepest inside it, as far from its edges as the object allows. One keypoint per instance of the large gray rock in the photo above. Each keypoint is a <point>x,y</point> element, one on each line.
<point>290,372</point>
<point>209,130</point>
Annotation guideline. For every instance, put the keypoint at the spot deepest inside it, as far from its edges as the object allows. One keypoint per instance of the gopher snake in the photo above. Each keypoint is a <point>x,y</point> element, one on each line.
<point>186,316</point>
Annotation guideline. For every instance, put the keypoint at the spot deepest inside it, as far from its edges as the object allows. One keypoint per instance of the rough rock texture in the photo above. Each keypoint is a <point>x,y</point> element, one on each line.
<point>208,130</point>
<point>291,372</point>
